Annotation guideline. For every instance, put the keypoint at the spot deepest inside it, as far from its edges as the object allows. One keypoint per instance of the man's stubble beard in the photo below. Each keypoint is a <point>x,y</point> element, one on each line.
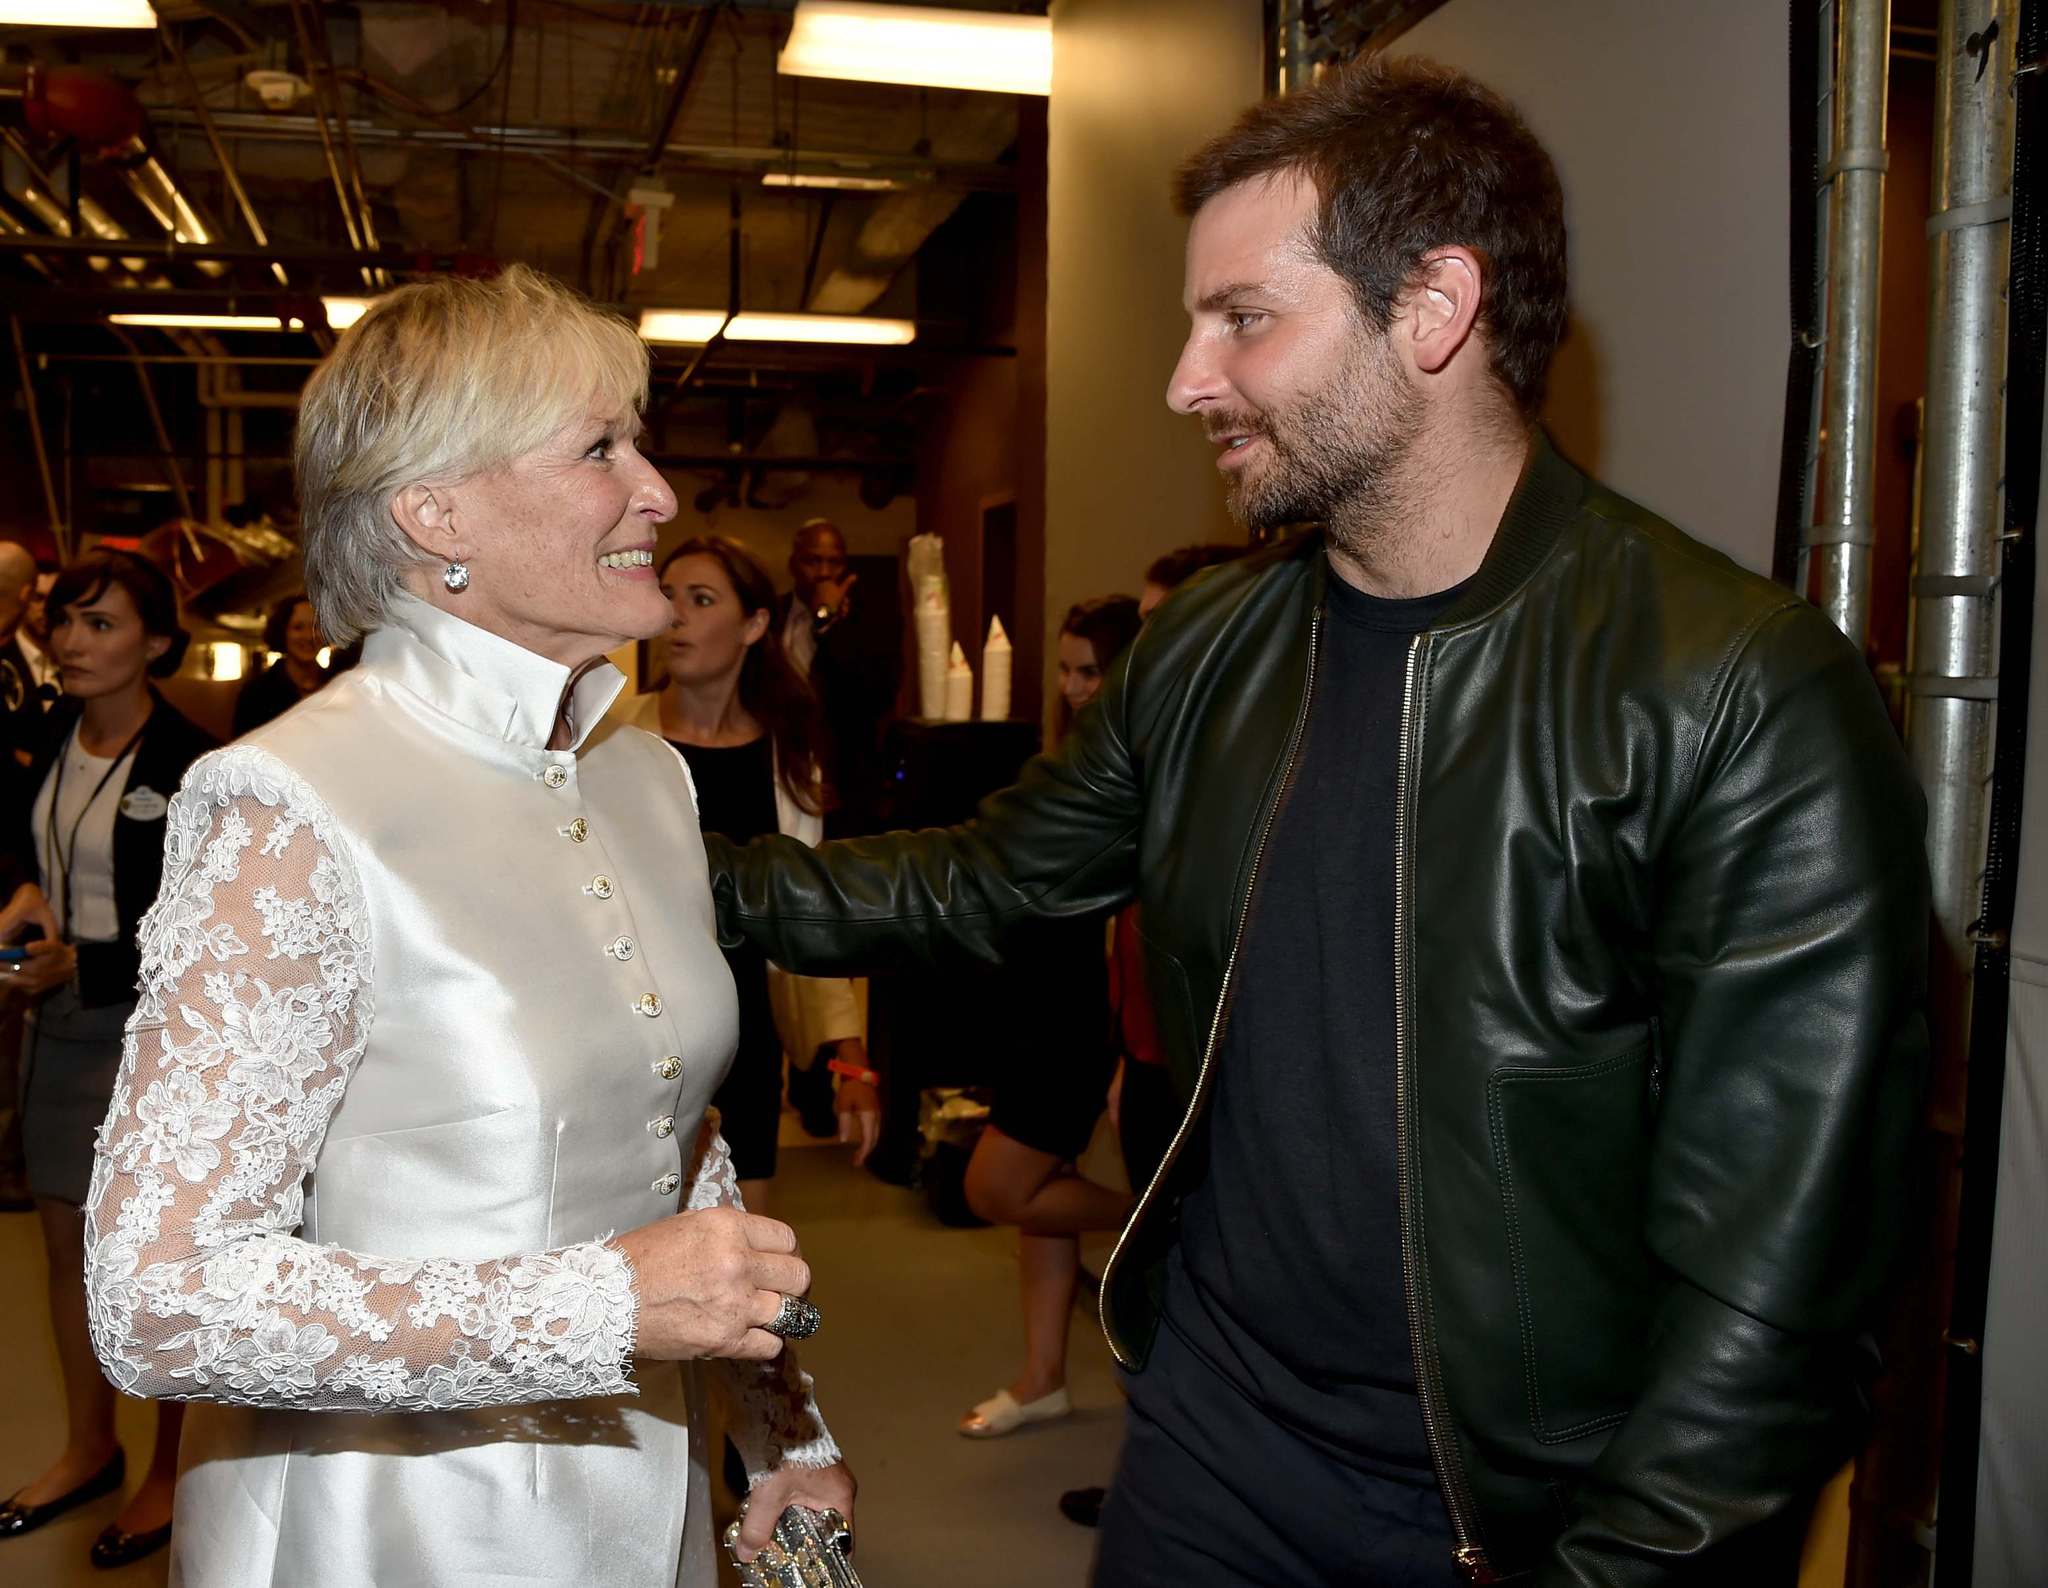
<point>1334,452</point>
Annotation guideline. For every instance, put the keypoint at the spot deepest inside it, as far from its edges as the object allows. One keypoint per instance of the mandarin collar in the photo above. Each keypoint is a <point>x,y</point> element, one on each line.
<point>484,681</point>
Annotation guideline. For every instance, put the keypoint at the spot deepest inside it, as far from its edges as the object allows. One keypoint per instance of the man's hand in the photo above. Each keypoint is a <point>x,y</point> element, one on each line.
<point>858,1104</point>
<point>814,1488</point>
<point>709,1281</point>
<point>49,966</point>
<point>829,595</point>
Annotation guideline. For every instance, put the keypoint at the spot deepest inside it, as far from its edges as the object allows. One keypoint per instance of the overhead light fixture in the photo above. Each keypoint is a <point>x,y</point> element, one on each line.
<point>77,14</point>
<point>695,327</point>
<point>343,312</point>
<point>210,322</point>
<point>851,328</point>
<point>690,327</point>
<point>835,179</point>
<point>925,46</point>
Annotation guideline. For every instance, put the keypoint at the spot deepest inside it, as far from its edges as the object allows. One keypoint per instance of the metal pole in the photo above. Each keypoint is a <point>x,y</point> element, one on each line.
<point>1954,672</point>
<point>1840,542</point>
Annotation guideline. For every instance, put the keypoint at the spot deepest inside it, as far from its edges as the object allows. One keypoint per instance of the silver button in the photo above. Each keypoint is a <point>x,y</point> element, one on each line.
<point>666,1185</point>
<point>577,831</point>
<point>649,1004</point>
<point>663,1127</point>
<point>555,776</point>
<point>669,1068</point>
<point>621,948</point>
<point>601,886</point>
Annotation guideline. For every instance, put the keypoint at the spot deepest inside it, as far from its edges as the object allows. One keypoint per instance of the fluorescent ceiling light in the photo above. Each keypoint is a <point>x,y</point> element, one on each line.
<point>695,327</point>
<point>926,46</point>
<point>210,322</point>
<point>822,328</point>
<point>851,184</point>
<point>692,326</point>
<point>77,14</point>
<point>343,312</point>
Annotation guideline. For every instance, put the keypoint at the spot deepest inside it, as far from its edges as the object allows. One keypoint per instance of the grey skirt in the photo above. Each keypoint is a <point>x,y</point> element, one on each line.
<point>69,1057</point>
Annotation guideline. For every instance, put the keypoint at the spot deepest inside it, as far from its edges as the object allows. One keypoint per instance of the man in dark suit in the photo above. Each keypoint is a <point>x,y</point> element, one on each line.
<point>851,653</point>
<point>21,717</point>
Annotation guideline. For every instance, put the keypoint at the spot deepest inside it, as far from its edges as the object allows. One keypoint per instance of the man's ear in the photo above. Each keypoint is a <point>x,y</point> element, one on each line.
<point>425,515</point>
<point>1438,311</point>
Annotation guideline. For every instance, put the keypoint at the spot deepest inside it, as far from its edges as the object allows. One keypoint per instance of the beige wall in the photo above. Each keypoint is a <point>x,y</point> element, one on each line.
<point>1137,85</point>
<point>1669,125</point>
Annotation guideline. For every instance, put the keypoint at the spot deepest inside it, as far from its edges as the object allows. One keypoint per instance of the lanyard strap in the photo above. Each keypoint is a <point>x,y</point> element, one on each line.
<point>67,854</point>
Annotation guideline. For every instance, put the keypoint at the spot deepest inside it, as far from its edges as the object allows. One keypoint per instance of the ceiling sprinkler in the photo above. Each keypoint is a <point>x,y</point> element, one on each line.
<point>278,90</point>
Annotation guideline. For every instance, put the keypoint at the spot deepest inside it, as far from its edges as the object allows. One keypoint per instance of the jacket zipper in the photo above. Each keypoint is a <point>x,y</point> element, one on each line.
<point>1466,1551</point>
<point>1173,1150</point>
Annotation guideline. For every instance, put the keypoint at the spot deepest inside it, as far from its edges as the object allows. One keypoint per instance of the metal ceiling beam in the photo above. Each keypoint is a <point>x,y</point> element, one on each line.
<point>705,159</point>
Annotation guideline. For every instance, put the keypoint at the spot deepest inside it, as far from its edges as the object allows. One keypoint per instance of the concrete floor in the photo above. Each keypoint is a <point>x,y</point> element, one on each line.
<point>920,1322</point>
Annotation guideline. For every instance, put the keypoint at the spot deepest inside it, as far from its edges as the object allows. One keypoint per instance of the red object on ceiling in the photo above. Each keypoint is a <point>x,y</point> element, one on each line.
<point>72,102</point>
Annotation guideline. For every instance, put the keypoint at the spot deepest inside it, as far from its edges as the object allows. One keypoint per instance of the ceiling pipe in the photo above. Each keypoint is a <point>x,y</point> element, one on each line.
<point>220,153</point>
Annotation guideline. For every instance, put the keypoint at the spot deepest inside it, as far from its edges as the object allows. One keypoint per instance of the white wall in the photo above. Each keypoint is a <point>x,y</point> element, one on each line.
<point>1138,85</point>
<point>1669,126</point>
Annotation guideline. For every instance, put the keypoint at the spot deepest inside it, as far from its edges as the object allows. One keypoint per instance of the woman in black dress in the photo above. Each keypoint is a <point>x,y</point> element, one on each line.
<point>748,726</point>
<point>1055,1062</point>
<point>292,633</point>
<point>84,863</point>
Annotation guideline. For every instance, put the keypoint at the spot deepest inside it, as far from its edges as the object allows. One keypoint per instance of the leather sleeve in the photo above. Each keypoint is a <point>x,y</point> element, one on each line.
<point>1790,956</point>
<point>1062,841</point>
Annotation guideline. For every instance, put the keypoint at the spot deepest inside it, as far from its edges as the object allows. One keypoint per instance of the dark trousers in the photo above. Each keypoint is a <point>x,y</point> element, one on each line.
<point>1211,1493</point>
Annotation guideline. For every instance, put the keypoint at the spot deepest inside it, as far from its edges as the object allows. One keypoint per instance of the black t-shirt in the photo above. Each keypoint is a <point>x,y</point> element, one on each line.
<point>1287,1280</point>
<point>735,787</point>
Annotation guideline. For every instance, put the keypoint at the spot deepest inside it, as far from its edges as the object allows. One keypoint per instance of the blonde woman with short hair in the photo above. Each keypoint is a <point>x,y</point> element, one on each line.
<point>431,1007</point>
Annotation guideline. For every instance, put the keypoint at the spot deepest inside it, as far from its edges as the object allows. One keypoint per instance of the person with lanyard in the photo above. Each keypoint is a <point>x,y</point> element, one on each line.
<point>85,865</point>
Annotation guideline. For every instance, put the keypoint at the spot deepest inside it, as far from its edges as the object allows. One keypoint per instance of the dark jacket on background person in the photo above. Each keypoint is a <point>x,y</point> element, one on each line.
<point>170,743</point>
<point>264,698</point>
<point>23,702</point>
<point>856,671</point>
<point>1661,910</point>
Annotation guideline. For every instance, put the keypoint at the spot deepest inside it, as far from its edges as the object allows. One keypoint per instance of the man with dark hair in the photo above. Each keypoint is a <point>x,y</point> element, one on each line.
<point>1535,915</point>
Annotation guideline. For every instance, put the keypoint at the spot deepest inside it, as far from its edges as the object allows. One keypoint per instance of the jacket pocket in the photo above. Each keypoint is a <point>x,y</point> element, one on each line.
<point>1570,1150</point>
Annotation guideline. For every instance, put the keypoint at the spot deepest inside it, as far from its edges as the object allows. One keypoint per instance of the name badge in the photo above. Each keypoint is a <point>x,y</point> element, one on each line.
<point>144,805</point>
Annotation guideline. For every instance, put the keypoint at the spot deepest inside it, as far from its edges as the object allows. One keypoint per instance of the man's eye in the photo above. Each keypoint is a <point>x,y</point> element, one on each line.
<point>1241,319</point>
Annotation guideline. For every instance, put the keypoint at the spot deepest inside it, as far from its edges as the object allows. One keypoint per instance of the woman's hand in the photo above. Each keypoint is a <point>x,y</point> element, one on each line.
<point>49,966</point>
<point>858,1104</point>
<point>708,1282</point>
<point>814,1488</point>
<point>28,907</point>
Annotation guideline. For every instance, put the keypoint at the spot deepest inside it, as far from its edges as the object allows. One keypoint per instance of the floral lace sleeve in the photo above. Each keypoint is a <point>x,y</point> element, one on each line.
<point>255,1008</point>
<point>770,1412</point>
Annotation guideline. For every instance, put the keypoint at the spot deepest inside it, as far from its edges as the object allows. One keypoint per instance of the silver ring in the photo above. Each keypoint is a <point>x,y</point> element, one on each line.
<point>798,1319</point>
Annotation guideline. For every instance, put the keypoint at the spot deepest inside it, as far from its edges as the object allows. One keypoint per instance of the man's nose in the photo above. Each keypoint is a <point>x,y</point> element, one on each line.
<point>1196,380</point>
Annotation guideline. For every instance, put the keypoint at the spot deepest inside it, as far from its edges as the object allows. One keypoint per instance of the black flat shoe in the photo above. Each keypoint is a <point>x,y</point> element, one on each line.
<point>16,1519</point>
<point>1083,1507</point>
<point>117,1548</point>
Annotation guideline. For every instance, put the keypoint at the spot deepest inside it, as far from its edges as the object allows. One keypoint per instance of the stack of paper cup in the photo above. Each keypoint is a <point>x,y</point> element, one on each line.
<point>959,686</point>
<point>933,619</point>
<point>995,674</point>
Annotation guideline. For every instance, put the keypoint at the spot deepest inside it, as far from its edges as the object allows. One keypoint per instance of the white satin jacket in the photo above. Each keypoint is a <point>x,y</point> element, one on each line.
<point>428,1013</point>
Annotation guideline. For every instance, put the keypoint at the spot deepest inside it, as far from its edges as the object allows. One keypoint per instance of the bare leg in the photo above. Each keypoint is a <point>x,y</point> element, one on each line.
<point>88,1397</point>
<point>149,1507</point>
<point>1010,1183</point>
<point>1050,1268</point>
<point>755,1194</point>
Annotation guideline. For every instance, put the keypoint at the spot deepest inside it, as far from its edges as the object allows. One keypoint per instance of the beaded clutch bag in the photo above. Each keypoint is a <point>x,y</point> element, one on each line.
<point>808,1551</point>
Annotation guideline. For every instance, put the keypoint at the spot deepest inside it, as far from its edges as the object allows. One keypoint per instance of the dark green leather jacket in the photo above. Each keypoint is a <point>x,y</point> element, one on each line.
<point>1662,915</point>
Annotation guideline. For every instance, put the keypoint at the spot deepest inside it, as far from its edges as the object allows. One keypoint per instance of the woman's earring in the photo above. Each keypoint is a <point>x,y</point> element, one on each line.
<point>457,576</point>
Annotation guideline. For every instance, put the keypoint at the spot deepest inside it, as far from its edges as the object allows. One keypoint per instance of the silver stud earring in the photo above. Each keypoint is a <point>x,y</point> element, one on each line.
<point>457,576</point>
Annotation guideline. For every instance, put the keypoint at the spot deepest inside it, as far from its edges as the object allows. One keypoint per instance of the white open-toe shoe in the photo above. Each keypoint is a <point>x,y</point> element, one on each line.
<point>1002,1413</point>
